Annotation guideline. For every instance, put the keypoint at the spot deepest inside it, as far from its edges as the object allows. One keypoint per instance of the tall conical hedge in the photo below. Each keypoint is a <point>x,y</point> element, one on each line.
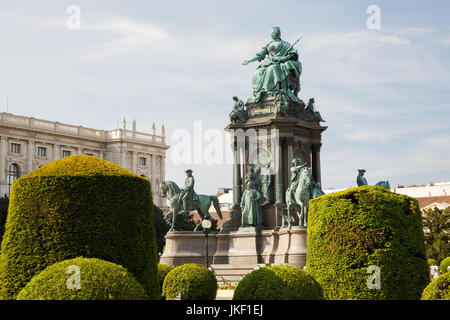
<point>367,243</point>
<point>78,206</point>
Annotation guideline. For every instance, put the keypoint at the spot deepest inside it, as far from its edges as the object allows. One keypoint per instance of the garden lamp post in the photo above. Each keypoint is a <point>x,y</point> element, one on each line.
<point>206,224</point>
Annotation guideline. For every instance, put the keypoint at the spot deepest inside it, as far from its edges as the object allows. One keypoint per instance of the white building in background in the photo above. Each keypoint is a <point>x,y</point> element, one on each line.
<point>27,143</point>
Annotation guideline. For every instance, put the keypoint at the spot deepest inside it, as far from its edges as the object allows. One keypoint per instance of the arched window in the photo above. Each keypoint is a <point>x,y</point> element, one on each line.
<point>13,174</point>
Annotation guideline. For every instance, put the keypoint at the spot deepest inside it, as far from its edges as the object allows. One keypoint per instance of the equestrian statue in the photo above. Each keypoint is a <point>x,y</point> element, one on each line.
<point>186,200</point>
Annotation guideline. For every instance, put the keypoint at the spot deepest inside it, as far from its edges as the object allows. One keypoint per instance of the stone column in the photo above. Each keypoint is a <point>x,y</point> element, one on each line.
<point>55,152</point>
<point>237,180</point>
<point>163,168</point>
<point>123,159</point>
<point>316,162</point>
<point>290,157</point>
<point>279,198</point>
<point>30,155</point>
<point>134,161</point>
<point>153,175</point>
<point>2,160</point>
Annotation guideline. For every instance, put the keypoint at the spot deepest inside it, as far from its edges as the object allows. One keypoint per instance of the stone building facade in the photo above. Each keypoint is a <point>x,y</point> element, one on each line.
<point>28,143</point>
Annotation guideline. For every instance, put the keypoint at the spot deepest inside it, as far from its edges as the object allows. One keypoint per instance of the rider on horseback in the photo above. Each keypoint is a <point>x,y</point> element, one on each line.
<point>188,193</point>
<point>297,166</point>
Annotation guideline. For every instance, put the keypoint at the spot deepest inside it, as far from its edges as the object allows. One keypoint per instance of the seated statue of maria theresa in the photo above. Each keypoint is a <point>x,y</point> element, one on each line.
<point>279,72</point>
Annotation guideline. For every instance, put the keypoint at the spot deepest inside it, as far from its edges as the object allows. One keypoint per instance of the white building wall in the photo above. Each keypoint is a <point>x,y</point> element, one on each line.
<point>121,146</point>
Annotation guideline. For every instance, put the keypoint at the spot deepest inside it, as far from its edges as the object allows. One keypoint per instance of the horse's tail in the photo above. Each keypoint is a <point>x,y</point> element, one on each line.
<point>216,204</point>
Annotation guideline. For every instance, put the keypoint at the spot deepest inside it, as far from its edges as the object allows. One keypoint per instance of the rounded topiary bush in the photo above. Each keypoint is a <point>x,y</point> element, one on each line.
<point>83,279</point>
<point>261,284</point>
<point>351,233</point>
<point>432,262</point>
<point>299,285</point>
<point>191,281</point>
<point>78,206</point>
<point>163,270</point>
<point>438,289</point>
<point>444,265</point>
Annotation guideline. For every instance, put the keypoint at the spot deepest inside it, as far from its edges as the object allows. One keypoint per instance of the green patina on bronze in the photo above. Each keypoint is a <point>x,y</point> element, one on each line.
<point>280,70</point>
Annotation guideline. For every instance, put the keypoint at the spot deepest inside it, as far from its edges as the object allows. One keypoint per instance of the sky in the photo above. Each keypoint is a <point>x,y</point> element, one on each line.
<point>384,92</point>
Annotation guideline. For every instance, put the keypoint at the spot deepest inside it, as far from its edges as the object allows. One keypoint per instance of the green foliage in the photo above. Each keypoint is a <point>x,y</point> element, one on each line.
<point>351,230</point>
<point>99,280</point>
<point>432,262</point>
<point>163,270</point>
<point>261,284</point>
<point>4,203</point>
<point>79,206</point>
<point>161,227</point>
<point>191,281</point>
<point>438,289</point>
<point>444,265</point>
<point>436,225</point>
<point>300,285</point>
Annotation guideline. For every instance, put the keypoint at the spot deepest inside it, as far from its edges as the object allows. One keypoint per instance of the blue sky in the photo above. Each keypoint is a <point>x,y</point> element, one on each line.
<point>384,93</point>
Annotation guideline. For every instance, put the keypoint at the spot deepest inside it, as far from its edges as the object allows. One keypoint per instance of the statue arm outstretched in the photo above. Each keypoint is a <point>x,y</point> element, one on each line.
<point>259,57</point>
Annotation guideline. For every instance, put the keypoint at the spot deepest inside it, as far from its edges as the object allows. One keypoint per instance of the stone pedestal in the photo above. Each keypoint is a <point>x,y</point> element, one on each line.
<point>243,247</point>
<point>247,247</point>
<point>188,247</point>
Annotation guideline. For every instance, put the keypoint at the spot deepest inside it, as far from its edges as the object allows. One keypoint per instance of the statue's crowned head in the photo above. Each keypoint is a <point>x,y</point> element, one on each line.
<point>297,162</point>
<point>276,32</point>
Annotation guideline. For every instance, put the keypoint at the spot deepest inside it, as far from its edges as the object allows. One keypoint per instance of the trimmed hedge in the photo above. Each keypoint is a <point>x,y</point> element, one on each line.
<point>438,289</point>
<point>98,280</point>
<point>444,265</point>
<point>299,285</point>
<point>261,284</point>
<point>79,206</point>
<point>351,230</point>
<point>191,281</point>
<point>163,270</point>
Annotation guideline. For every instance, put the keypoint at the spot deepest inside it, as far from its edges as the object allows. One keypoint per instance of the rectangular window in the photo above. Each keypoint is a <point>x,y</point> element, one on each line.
<point>42,152</point>
<point>66,153</point>
<point>15,147</point>
<point>143,161</point>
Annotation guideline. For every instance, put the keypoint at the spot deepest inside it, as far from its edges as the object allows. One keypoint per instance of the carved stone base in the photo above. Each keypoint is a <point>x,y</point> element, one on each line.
<point>245,246</point>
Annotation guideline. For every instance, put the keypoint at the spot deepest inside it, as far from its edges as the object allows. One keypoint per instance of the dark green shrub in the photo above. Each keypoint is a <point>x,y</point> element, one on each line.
<point>78,206</point>
<point>432,262</point>
<point>163,270</point>
<point>191,281</point>
<point>261,284</point>
<point>4,203</point>
<point>161,227</point>
<point>438,289</point>
<point>444,265</point>
<point>300,285</point>
<point>98,280</point>
<point>350,231</point>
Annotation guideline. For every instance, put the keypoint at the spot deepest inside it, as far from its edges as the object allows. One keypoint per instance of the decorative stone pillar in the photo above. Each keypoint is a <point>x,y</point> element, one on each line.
<point>279,198</point>
<point>237,179</point>
<point>30,155</point>
<point>123,160</point>
<point>55,152</point>
<point>315,164</point>
<point>290,157</point>
<point>134,161</point>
